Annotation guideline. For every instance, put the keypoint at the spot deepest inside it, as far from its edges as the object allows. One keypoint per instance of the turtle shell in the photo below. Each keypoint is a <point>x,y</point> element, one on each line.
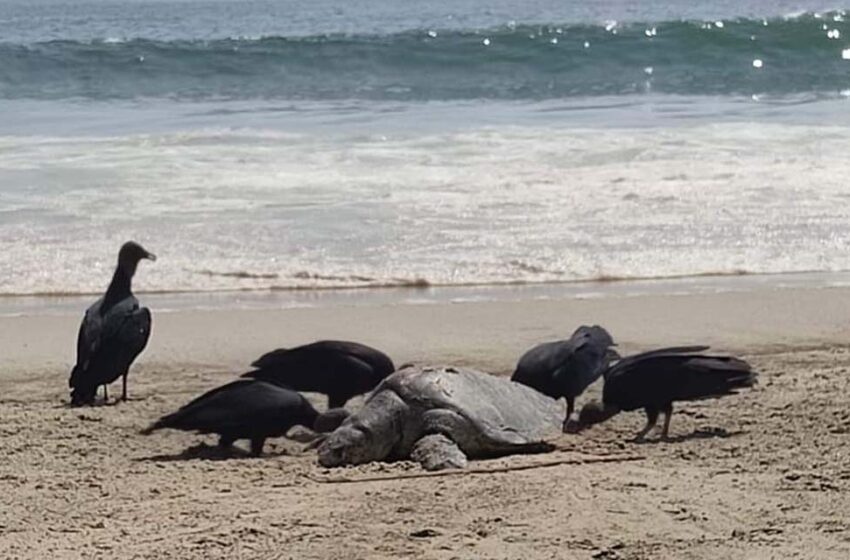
<point>484,414</point>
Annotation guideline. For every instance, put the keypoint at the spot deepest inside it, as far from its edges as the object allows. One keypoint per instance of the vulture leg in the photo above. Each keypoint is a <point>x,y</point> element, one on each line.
<point>105,395</point>
<point>668,411</point>
<point>651,419</point>
<point>257,446</point>
<point>571,403</point>
<point>124,388</point>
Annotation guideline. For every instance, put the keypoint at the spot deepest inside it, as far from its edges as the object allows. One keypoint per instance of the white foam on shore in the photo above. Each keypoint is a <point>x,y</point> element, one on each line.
<point>249,209</point>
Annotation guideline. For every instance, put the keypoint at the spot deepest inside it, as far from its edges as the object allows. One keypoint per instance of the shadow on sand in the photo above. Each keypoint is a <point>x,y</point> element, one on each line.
<point>205,452</point>
<point>699,433</point>
<point>97,403</point>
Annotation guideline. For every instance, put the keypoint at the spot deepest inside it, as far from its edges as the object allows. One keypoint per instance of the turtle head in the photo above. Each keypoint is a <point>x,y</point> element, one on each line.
<point>350,444</point>
<point>325,423</point>
<point>369,435</point>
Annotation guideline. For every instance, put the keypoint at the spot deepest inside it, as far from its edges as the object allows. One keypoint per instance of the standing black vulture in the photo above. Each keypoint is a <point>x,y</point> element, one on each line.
<point>565,368</point>
<point>243,409</point>
<point>654,380</point>
<point>114,331</point>
<point>336,368</point>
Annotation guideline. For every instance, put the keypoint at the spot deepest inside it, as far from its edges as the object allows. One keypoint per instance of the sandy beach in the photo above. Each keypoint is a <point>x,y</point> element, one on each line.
<point>759,475</point>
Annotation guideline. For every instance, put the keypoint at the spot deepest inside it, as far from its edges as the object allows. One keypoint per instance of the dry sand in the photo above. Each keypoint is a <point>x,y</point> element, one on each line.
<point>759,475</point>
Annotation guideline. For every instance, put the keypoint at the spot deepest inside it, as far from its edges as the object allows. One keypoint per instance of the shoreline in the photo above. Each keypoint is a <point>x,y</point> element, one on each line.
<point>423,293</point>
<point>489,334</point>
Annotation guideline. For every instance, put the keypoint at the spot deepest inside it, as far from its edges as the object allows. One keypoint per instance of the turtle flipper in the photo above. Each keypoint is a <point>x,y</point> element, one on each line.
<point>436,452</point>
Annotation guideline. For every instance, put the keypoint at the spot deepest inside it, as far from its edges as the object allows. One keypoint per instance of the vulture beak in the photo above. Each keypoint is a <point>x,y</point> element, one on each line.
<point>572,426</point>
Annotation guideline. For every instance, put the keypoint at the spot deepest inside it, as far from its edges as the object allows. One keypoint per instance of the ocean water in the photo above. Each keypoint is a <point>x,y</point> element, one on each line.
<point>275,145</point>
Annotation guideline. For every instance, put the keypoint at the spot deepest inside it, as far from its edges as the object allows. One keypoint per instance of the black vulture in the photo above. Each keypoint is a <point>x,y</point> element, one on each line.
<point>565,368</point>
<point>654,380</point>
<point>114,331</point>
<point>243,409</point>
<point>336,368</point>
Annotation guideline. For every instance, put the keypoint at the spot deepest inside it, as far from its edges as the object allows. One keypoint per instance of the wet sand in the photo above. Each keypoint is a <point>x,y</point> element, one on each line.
<point>763,474</point>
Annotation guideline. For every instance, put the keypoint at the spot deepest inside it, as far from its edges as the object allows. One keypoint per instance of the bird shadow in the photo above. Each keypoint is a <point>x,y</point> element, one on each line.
<point>99,403</point>
<point>205,452</point>
<point>699,433</point>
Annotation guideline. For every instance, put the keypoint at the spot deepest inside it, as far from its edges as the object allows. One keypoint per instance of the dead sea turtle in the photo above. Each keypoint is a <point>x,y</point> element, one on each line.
<point>439,416</point>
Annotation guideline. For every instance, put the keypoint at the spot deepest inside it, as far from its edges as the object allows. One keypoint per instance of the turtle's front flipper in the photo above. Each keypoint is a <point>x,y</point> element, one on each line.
<point>436,452</point>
